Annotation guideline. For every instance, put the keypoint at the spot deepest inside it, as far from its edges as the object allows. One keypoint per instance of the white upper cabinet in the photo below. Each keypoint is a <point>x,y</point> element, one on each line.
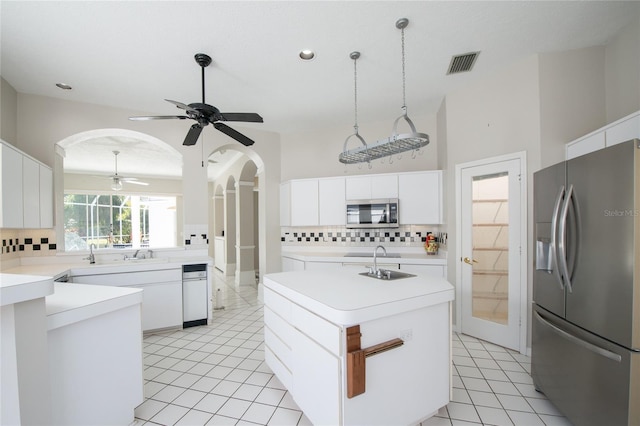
<point>285,203</point>
<point>420,198</point>
<point>585,145</point>
<point>46,197</point>
<point>27,191</point>
<point>299,203</point>
<point>331,201</point>
<point>322,202</point>
<point>304,202</point>
<point>372,187</point>
<point>625,129</point>
<point>12,202</point>
<point>31,192</point>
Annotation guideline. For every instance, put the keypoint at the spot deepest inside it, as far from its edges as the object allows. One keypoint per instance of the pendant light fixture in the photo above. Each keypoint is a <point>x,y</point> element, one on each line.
<point>396,143</point>
<point>347,156</point>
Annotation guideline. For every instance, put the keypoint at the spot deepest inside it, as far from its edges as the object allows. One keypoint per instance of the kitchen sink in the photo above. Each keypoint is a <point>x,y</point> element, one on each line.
<point>386,274</point>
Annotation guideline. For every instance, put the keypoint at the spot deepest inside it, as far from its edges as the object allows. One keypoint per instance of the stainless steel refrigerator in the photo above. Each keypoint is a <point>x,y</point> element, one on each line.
<point>585,349</point>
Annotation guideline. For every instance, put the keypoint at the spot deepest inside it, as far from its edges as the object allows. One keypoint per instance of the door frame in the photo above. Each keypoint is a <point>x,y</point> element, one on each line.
<point>522,158</point>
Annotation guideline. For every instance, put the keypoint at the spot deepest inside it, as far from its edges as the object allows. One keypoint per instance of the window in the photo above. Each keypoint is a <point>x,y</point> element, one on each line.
<point>119,221</point>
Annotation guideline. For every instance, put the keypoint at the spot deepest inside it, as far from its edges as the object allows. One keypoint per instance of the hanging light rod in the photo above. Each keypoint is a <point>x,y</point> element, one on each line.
<point>344,157</point>
<point>396,143</point>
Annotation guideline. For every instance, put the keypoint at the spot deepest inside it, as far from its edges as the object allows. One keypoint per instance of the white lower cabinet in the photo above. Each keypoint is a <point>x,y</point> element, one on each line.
<point>299,360</point>
<point>289,264</point>
<point>321,266</point>
<point>161,305</point>
<point>161,295</point>
<point>314,364</point>
<point>403,386</point>
<point>433,270</point>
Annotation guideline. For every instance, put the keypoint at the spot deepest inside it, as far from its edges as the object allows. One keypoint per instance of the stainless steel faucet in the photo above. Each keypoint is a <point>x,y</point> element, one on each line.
<point>376,271</point>
<point>92,257</point>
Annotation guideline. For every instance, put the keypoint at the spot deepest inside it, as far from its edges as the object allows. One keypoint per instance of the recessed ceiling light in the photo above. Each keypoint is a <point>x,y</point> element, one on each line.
<point>307,54</point>
<point>63,86</point>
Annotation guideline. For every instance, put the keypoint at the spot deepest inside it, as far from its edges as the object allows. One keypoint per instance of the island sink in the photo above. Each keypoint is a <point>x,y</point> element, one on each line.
<point>386,274</point>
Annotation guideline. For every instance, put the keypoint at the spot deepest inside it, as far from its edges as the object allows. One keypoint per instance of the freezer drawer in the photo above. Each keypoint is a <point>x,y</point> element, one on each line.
<point>590,380</point>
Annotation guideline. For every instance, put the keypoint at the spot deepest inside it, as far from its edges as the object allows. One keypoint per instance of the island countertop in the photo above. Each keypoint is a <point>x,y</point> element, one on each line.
<point>345,297</point>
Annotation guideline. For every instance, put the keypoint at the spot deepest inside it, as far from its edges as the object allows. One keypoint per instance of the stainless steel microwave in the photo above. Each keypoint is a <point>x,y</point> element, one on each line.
<point>382,213</point>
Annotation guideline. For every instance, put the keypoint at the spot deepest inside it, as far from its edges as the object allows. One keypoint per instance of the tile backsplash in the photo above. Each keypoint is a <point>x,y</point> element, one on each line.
<point>403,236</point>
<point>27,242</point>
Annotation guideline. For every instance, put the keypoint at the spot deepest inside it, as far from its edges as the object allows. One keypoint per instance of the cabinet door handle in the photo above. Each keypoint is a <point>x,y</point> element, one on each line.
<point>469,261</point>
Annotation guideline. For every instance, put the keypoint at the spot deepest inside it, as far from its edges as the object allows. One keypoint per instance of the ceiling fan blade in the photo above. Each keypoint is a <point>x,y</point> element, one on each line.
<point>158,117</point>
<point>233,134</point>
<point>192,136</point>
<point>181,105</point>
<point>136,182</point>
<point>249,117</point>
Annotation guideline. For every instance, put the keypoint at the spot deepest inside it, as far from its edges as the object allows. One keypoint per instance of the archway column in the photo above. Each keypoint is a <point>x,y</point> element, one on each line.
<point>245,244</point>
<point>230,234</point>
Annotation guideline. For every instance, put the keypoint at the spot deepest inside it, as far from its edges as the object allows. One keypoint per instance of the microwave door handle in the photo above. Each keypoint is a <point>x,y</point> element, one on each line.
<point>554,238</point>
<point>562,237</point>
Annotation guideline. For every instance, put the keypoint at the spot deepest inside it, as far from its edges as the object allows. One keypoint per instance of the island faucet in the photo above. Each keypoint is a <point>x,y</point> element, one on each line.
<point>376,271</point>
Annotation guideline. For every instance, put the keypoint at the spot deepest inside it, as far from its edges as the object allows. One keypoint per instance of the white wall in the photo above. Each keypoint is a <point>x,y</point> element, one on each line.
<point>622,73</point>
<point>9,116</point>
<point>83,183</point>
<point>494,116</point>
<point>572,99</point>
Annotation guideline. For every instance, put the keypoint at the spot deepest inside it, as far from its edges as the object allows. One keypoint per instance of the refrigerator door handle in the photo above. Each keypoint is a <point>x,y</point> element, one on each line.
<point>589,346</point>
<point>562,238</point>
<point>554,238</point>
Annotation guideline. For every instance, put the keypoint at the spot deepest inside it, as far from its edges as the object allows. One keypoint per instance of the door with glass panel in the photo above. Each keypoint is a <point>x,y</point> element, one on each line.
<point>491,242</point>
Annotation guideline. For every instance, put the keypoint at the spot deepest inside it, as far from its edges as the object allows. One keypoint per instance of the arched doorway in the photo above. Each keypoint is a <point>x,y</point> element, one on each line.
<point>89,162</point>
<point>245,169</point>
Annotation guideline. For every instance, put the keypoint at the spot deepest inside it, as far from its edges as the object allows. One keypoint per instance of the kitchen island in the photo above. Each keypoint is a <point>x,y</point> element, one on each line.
<point>353,350</point>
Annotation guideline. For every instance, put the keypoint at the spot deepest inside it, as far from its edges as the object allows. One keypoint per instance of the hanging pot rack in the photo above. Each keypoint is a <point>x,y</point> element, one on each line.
<point>394,144</point>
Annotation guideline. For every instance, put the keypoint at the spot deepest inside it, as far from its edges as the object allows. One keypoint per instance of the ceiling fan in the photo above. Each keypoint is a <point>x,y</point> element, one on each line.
<point>117,180</point>
<point>205,114</point>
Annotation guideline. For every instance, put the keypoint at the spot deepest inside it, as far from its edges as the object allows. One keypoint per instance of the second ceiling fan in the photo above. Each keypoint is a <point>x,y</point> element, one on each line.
<point>205,114</point>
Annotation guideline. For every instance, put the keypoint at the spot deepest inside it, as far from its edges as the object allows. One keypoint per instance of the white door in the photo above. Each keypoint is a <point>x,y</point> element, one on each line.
<point>492,250</point>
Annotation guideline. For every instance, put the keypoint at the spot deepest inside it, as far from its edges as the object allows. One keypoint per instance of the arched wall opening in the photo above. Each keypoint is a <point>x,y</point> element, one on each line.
<point>85,163</point>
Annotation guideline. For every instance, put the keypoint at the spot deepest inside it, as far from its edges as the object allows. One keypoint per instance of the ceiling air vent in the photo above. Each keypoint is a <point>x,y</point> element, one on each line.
<point>462,63</point>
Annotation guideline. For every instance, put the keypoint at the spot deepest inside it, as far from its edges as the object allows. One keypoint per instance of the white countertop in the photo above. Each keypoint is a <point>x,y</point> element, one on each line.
<point>345,298</point>
<point>20,288</point>
<point>71,303</point>
<point>55,269</point>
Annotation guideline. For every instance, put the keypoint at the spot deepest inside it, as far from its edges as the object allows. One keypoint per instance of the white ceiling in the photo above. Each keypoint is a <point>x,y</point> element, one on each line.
<point>135,54</point>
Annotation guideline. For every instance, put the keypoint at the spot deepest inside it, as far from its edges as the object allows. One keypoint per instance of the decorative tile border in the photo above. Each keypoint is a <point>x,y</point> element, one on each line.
<point>25,244</point>
<point>412,236</point>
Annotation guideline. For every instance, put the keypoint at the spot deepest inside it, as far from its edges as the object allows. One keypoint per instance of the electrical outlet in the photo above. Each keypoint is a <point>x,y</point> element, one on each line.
<point>406,335</point>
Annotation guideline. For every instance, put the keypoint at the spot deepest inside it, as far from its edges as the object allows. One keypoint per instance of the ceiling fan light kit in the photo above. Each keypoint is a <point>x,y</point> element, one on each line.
<point>117,180</point>
<point>396,143</point>
<point>205,114</point>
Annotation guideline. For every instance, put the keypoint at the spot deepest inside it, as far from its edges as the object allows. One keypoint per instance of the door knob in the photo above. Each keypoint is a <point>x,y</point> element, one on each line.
<point>469,261</point>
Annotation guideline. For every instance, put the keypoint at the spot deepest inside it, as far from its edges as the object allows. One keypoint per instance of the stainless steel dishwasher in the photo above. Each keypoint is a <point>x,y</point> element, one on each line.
<point>194,295</point>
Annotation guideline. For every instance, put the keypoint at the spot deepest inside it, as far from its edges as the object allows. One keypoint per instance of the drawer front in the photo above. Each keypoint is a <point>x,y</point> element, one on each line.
<point>278,347</point>
<point>278,304</point>
<point>131,278</point>
<point>282,373</point>
<point>320,330</point>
